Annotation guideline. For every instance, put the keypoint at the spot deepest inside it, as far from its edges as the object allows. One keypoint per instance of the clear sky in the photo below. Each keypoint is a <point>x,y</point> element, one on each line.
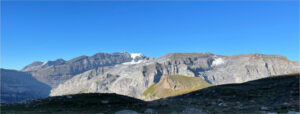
<point>42,31</point>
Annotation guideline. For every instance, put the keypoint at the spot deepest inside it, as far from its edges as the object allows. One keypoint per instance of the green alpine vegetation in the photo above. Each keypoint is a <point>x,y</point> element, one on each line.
<point>173,85</point>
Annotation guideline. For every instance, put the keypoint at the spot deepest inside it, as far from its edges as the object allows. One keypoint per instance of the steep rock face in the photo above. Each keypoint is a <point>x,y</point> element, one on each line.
<point>125,79</point>
<point>87,83</point>
<point>133,78</point>
<point>56,72</point>
<point>218,69</point>
<point>188,64</point>
<point>242,68</point>
<point>20,86</point>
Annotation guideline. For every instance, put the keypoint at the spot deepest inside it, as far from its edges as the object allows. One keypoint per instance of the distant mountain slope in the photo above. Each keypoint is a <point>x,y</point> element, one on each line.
<point>274,94</point>
<point>172,85</point>
<point>133,78</point>
<point>20,86</point>
<point>56,72</point>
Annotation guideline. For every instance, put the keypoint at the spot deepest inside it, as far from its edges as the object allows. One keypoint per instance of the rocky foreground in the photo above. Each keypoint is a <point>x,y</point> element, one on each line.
<point>278,94</point>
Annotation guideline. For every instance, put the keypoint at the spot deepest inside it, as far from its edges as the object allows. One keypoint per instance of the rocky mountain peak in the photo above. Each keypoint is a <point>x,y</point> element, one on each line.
<point>56,62</point>
<point>33,66</point>
<point>39,65</point>
<point>36,63</point>
<point>56,72</point>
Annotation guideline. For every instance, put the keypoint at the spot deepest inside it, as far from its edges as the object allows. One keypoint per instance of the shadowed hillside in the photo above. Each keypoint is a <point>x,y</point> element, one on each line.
<point>277,94</point>
<point>19,86</point>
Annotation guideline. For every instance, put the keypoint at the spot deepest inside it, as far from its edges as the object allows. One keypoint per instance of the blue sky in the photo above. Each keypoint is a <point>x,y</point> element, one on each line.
<point>42,31</point>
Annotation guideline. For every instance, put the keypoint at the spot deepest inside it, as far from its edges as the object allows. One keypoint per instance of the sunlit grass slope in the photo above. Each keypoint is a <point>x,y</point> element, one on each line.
<point>173,85</point>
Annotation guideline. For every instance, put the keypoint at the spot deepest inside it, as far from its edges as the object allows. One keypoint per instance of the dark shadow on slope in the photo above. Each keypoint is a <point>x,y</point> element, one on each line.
<point>19,86</point>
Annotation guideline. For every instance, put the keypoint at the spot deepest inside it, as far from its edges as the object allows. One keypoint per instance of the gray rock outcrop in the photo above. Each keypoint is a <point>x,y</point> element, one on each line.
<point>133,77</point>
<point>56,72</point>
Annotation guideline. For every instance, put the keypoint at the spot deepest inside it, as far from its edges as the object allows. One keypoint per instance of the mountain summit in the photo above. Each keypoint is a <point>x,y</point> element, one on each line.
<point>56,72</point>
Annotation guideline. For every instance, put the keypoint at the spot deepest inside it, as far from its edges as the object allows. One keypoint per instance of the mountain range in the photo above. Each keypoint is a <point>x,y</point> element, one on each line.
<point>131,74</point>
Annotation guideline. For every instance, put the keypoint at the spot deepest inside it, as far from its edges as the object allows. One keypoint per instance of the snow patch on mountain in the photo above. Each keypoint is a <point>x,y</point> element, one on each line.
<point>133,61</point>
<point>218,61</point>
<point>44,63</point>
<point>134,55</point>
